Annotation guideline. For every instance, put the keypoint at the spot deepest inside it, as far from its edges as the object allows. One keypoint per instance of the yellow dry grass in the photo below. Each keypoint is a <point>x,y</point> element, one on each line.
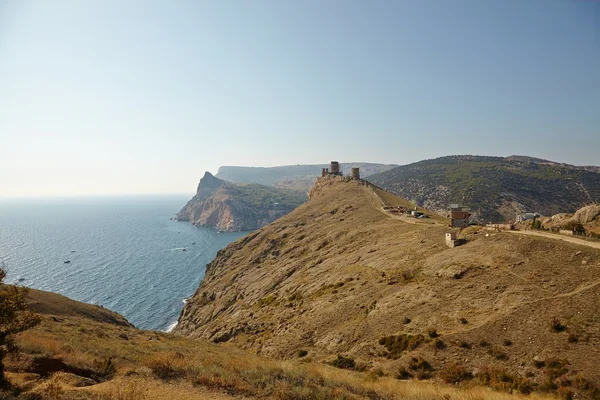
<point>152,365</point>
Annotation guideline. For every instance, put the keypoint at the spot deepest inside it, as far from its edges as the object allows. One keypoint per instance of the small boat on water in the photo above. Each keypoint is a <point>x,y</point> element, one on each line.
<point>193,242</point>
<point>184,249</point>
<point>19,279</point>
<point>68,262</point>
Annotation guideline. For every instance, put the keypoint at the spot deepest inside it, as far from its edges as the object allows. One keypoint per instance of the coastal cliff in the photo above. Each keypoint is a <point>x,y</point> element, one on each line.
<point>234,207</point>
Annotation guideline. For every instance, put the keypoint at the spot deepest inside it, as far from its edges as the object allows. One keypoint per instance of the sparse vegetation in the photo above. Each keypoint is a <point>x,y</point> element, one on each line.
<point>397,344</point>
<point>438,344</point>
<point>557,326</point>
<point>403,374</point>
<point>432,333</point>
<point>422,368</point>
<point>267,301</point>
<point>302,353</point>
<point>497,353</point>
<point>573,338</point>
<point>454,373</point>
<point>343,362</point>
<point>499,379</point>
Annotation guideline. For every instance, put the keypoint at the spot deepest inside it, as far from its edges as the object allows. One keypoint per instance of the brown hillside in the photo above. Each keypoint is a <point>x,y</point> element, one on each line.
<point>78,353</point>
<point>57,305</point>
<point>339,275</point>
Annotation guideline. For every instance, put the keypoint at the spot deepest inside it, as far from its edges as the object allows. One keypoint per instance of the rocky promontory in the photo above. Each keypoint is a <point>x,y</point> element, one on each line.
<point>235,207</point>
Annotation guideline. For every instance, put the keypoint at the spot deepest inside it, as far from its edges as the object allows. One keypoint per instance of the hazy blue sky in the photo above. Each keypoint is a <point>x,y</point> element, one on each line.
<point>134,97</point>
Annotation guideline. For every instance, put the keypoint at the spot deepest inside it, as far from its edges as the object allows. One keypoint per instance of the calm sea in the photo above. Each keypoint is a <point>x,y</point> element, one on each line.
<point>124,253</point>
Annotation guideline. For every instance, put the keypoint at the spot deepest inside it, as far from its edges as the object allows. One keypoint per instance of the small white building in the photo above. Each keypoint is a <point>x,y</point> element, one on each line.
<point>527,216</point>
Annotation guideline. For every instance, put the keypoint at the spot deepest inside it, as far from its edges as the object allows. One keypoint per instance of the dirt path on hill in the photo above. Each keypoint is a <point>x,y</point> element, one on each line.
<point>595,245</point>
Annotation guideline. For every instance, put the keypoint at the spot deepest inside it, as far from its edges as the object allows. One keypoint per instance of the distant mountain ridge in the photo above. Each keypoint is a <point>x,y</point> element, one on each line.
<point>298,177</point>
<point>496,188</point>
<point>237,207</point>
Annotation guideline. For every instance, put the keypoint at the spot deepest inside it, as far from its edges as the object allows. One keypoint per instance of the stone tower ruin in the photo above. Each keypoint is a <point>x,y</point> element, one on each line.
<point>334,168</point>
<point>355,173</point>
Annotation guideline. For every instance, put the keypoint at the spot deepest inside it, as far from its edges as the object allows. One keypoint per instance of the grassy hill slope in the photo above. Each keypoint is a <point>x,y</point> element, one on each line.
<point>495,188</point>
<point>77,353</point>
<point>341,276</point>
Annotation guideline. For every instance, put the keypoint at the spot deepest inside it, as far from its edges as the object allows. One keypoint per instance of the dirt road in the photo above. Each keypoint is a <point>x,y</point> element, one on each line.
<point>570,239</point>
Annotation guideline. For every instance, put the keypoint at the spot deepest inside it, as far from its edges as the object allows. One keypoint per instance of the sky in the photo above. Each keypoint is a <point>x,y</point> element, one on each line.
<point>114,96</point>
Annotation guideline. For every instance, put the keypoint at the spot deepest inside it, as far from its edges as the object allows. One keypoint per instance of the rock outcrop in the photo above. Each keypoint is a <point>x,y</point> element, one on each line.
<point>235,207</point>
<point>586,220</point>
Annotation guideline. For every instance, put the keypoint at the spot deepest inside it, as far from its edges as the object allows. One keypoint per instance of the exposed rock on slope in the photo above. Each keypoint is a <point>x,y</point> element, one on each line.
<point>587,218</point>
<point>235,207</point>
<point>496,188</point>
<point>340,276</point>
<point>298,177</point>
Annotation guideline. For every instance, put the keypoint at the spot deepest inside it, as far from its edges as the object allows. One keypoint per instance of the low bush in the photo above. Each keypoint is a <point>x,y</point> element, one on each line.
<point>397,344</point>
<point>421,367</point>
<point>438,344</point>
<point>454,373</point>
<point>499,379</point>
<point>343,362</point>
<point>497,354</point>
<point>557,326</point>
<point>403,374</point>
<point>167,366</point>
<point>432,332</point>
<point>302,353</point>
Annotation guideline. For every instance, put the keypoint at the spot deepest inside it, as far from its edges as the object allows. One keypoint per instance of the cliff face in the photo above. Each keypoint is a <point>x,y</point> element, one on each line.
<point>234,207</point>
<point>339,275</point>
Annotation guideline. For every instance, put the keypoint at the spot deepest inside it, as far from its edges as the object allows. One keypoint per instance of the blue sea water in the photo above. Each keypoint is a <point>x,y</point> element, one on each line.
<point>125,253</point>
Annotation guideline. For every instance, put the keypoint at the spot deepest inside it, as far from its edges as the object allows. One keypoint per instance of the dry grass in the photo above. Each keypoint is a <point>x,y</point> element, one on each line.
<point>151,365</point>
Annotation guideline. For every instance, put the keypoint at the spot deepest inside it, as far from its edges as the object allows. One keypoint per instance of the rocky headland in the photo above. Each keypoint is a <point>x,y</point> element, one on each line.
<point>234,207</point>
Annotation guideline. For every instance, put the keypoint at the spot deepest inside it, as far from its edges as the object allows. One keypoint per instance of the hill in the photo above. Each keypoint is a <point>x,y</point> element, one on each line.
<point>237,207</point>
<point>495,188</point>
<point>77,353</point>
<point>298,177</point>
<point>342,280</point>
